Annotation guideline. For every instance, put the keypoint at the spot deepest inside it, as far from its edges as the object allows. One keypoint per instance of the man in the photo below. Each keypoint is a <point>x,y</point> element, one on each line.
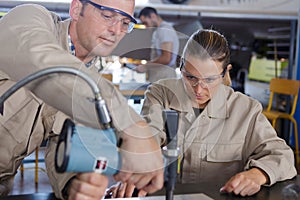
<point>24,124</point>
<point>37,39</point>
<point>164,49</point>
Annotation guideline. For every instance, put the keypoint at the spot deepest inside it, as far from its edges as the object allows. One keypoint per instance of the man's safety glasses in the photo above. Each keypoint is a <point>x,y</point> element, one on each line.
<point>111,17</point>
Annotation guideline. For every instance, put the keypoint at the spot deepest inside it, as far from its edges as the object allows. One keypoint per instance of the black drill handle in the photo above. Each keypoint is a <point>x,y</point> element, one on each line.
<point>171,126</point>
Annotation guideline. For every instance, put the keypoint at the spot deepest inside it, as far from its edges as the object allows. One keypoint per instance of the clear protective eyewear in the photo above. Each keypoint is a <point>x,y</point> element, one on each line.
<point>110,17</point>
<point>205,82</point>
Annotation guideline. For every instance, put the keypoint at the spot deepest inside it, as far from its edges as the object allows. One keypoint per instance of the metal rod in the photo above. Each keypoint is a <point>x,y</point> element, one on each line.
<point>103,115</point>
<point>48,71</point>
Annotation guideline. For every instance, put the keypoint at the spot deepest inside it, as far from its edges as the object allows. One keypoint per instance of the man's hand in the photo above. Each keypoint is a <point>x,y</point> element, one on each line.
<point>87,186</point>
<point>246,183</point>
<point>142,160</point>
<point>120,190</point>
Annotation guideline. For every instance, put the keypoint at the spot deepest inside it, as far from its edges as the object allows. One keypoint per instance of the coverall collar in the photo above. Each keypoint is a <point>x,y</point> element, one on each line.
<point>216,108</point>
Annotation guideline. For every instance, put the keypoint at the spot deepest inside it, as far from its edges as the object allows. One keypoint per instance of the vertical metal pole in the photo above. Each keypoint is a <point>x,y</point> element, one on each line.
<point>292,49</point>
<point>287,125</point>
<point>297,64</point>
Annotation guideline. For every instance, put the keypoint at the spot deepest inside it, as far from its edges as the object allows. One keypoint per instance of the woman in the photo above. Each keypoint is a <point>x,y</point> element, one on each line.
<point>223,135</point>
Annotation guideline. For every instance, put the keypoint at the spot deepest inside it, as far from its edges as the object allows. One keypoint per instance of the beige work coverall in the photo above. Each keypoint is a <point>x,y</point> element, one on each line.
<point>35,39</point>
<point>229,136</point>
<point>25,123</point>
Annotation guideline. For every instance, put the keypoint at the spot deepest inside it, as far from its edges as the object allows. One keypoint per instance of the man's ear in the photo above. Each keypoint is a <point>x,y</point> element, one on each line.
<point>75,9</point>
<point>153,15</point>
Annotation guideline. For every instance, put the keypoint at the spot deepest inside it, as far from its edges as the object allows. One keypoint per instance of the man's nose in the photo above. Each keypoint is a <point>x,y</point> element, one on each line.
<point>116,27</point>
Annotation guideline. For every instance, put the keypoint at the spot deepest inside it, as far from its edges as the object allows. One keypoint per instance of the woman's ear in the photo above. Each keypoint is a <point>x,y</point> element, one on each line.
<point>227,78</point>
<point>75,9</point>
<point>229,67</point>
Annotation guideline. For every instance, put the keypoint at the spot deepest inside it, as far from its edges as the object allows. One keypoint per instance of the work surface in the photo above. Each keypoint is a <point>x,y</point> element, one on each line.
<point>200,191</point>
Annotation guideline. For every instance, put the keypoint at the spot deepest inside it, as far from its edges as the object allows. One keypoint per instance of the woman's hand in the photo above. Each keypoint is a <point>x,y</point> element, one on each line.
<point>246,183</point>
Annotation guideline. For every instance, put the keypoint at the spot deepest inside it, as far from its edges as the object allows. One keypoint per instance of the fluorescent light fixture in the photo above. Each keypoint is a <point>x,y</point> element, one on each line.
<point>141,2</point>
<point>51,1</point>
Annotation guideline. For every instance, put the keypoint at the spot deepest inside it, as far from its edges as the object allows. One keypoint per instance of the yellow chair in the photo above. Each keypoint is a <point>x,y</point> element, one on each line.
<point>284,87</point>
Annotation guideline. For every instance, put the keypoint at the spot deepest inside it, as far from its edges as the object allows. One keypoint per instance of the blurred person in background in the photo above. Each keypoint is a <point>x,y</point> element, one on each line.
<point>164,48</point>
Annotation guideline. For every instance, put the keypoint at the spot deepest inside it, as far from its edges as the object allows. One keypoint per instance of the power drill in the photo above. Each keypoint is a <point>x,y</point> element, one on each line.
<point>80,149</point>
